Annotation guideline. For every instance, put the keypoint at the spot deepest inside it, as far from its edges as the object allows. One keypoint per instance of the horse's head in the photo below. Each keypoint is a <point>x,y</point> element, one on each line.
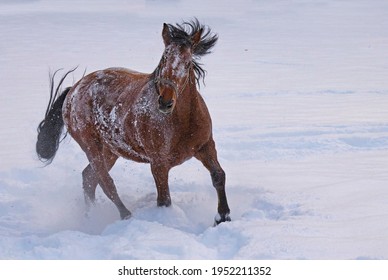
<point>174,68</point>
<point>173,73</point>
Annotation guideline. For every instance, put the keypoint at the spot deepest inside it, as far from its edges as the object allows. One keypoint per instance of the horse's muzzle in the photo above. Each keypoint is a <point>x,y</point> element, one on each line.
<point>166,107</point>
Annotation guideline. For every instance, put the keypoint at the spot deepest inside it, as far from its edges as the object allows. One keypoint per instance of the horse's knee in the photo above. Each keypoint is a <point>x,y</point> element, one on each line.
<point>218,178</point>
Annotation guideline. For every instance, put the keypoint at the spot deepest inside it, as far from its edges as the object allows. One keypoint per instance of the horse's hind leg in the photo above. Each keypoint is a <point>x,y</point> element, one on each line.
<point>90,182</point>
<point>100,165</point>
<point>90,179</point>
<point>208,156</point>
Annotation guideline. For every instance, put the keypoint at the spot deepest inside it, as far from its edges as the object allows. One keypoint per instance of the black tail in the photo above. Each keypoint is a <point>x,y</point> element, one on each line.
<point>50,129</point>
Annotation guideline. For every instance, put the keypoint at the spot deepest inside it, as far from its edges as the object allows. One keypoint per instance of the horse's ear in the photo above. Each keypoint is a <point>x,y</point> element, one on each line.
<point>166,34</point>
<point>196,38</point>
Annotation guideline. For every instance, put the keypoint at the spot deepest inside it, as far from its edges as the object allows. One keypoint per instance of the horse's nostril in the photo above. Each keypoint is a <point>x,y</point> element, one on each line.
<point>169,104</point>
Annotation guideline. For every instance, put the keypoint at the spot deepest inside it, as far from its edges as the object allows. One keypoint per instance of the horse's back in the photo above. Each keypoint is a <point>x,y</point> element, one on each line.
<point>101,90</point>
<point>96,106</point>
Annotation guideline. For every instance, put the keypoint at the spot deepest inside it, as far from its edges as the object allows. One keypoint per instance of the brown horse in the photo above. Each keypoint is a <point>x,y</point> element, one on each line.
<point>158,118</point>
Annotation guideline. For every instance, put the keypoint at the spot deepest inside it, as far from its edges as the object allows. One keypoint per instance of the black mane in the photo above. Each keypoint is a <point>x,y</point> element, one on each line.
<point>182,34</point>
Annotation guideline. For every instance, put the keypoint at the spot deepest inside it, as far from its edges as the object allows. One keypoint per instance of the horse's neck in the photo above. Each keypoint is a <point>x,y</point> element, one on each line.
<point>190,92</point>
<point>189,103</point>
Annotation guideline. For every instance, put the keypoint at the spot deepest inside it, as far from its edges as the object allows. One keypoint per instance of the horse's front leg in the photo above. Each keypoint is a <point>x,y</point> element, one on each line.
<point>208,156</point>
<point>160,172</point>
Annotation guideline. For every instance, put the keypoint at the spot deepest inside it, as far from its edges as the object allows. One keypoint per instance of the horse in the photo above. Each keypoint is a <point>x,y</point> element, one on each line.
<point>158,118</point>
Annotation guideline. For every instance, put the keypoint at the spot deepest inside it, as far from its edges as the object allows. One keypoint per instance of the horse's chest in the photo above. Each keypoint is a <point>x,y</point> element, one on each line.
<point>153,131</point>
<point>165,137</point>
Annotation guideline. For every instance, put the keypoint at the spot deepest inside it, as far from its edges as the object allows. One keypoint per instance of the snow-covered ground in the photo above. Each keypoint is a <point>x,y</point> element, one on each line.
<point>298,92</point>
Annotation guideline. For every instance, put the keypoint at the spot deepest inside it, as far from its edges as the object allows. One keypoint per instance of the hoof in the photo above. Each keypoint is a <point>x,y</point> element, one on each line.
<point>221,219</point>
<point>164,203</point>
<point>126,216</point>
